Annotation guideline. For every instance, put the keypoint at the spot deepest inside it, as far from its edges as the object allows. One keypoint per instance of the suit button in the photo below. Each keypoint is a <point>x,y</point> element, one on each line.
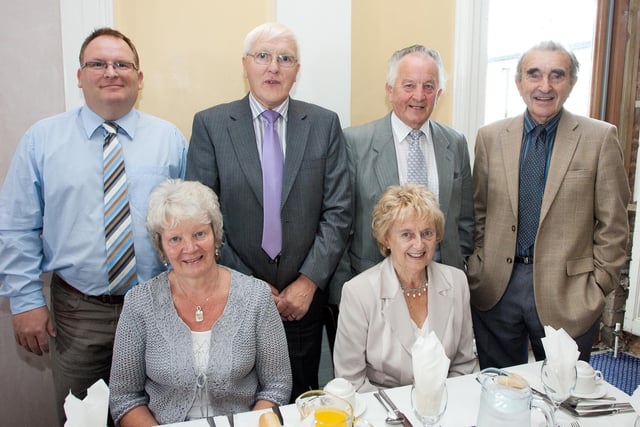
<point>513,228</point>
<point>509,260</point>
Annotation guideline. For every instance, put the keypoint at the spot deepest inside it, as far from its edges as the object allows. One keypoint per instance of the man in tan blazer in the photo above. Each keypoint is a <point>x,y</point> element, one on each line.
<point>579,226</point>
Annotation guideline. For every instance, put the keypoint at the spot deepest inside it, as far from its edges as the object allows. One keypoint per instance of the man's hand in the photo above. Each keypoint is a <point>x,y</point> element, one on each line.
<point>33,328</point>
<point>294,300</point>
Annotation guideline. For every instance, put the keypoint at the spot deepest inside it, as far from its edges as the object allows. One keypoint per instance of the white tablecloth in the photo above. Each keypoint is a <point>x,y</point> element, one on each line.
<point>462,410</point>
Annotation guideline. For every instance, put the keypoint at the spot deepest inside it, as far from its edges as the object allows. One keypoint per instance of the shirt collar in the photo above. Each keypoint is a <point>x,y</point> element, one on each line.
<point>92,122</point>
<point>550,126</point>
<point>257,108</point>
<point>401,130</point>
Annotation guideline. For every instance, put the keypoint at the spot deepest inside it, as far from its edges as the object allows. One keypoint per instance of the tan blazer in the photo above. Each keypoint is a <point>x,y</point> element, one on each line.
<point>582,237</point>
<point>375,333</point>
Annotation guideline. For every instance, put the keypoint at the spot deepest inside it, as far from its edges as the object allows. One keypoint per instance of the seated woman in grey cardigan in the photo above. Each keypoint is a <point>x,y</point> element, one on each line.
<point>199,340</point>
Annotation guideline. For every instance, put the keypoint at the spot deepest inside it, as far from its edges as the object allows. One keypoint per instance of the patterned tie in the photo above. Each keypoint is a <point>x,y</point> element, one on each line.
<point>272,167</point>
<point>121,261</point>
<point>416,164</point>
<point>532,181</point>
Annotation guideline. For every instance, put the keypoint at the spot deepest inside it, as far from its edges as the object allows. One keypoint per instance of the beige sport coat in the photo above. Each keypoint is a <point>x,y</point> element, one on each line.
<point>581,243</point>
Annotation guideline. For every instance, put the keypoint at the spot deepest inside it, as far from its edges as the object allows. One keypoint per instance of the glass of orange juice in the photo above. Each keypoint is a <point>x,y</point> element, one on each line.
<point>325,409</point>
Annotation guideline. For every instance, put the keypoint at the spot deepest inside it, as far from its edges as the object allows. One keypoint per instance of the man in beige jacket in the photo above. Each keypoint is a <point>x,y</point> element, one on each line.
<point>551,229</point>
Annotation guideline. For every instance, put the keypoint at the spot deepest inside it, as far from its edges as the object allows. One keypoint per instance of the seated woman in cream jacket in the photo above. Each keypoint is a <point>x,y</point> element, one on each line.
<point>385,308</point>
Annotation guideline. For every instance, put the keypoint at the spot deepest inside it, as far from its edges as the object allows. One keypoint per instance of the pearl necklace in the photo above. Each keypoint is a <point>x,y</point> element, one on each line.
<point>413,292</point>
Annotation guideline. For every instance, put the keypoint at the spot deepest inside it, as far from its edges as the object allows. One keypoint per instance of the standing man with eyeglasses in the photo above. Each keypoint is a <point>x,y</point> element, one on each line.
<point>74,204</point>
<point>279,168</point>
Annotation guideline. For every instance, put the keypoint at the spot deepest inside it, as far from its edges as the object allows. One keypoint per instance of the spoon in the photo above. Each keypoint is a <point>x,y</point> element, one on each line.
<point>392,417</point>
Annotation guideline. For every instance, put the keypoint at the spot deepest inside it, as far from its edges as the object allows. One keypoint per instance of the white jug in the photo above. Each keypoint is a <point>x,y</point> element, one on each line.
<point>506,400</point>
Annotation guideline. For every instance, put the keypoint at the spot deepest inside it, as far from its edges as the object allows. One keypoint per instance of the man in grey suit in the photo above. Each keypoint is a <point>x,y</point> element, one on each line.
<point>551,194</point>
<point>378,153</point>
<point>230,151</point>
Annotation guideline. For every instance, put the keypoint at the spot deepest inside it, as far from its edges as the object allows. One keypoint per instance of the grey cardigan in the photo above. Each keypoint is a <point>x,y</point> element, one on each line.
<point>153,358</point>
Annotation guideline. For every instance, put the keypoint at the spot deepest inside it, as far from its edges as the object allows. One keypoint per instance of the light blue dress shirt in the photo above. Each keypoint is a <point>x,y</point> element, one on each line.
<point>51,203</point>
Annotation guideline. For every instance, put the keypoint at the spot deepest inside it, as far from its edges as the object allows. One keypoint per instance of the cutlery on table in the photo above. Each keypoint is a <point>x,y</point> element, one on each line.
<point>392,417</point>
<point>211,422</point>
<point>598,411</point>
<point>276,410</point>
<point>230,418</point>
<point>394,408</point>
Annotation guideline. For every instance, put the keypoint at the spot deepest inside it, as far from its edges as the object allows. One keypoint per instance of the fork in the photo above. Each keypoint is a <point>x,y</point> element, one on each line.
<point>575,424</point>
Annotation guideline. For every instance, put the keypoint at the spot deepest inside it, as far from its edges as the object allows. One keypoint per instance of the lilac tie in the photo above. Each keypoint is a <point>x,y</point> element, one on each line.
<point>272,166</point>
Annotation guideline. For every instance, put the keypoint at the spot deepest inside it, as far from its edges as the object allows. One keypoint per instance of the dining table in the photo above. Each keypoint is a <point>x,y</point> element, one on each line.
<point>462,408</point>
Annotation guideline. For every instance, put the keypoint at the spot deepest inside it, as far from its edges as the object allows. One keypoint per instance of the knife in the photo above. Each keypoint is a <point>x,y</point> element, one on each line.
<point>595,412</point>
<point>394,408</point>
<point>211,422</point>
<point>276,410</point>
<point>230,418</point>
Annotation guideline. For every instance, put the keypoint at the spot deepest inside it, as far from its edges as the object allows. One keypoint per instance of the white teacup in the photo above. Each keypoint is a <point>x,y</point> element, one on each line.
<point>342,388</point>
<point>588,378</point>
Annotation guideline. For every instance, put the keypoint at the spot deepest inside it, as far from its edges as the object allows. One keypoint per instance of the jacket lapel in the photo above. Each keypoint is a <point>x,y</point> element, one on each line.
<point>394,308</point>
<point>385,165</point>
<point>511,141</point>
<point>444,163</point>
<point>298,129</point>
<point>564,147</point>
<point>243,140</point>
<point>440,312</point>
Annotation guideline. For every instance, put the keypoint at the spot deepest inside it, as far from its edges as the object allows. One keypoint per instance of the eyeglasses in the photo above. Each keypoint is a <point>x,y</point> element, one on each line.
<point>102,65</point>
<point>265,58</point>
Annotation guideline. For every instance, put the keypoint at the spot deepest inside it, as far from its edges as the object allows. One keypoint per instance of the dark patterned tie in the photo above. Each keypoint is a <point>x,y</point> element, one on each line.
<point>272,169</point>
<point>416,164</point>
<point>121,261</point>
<point>532,181</point>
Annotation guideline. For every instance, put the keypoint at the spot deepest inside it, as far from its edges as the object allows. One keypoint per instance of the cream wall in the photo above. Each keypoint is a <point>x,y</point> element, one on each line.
<point>191,53</point>
<point>381,27</point>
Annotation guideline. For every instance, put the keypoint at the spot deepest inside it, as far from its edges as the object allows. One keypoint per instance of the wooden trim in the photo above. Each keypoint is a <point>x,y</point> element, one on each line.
<point>599,52</point>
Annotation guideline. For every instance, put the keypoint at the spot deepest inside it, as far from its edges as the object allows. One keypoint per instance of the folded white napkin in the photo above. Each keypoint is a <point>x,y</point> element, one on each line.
<point>430,369</point>
<point>562,354</point>
<point>91,411</point>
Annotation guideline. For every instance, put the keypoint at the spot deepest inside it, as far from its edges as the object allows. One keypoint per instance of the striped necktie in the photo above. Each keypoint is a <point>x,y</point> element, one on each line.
<point>121,261</point>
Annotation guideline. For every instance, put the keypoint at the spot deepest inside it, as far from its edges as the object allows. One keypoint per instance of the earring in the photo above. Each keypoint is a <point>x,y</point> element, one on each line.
<point>217,253</point>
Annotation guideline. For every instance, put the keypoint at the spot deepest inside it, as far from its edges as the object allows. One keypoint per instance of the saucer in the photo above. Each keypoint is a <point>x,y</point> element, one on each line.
<point>597,393</point>
<point>360,406</point>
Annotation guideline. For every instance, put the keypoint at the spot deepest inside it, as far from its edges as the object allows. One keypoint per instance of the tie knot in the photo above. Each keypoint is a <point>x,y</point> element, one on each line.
<point>414,136</point>
<point>270,115</point>
<point>111,127</point>
<point>539,132</point>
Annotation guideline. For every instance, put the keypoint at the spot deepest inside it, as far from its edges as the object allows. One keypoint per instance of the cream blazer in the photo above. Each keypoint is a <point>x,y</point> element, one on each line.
<point>375,332</point>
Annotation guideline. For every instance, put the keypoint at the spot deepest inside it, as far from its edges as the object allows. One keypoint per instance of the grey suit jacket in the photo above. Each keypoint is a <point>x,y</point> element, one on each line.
<point>582,236</point>
<point>316,196</point>
<point>375,333</point>
<point>374,167</point>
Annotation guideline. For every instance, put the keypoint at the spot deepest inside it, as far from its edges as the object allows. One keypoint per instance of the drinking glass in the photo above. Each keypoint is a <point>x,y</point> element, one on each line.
<point>558,382</point>
<point>322,409</point>
<point>427,408</point>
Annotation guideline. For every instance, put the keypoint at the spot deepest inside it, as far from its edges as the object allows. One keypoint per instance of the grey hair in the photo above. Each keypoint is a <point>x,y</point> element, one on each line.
<point>270,31</point>
<point>176,200</point>
<point>553,46</point>
<point>392,69</point>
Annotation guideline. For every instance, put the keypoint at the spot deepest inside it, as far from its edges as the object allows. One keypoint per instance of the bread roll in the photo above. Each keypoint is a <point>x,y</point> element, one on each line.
<point>269,419</point>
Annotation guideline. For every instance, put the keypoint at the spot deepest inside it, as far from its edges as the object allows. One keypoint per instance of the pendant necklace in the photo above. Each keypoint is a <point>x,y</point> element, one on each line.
<point>414,292</point>
<point>199,317</point>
